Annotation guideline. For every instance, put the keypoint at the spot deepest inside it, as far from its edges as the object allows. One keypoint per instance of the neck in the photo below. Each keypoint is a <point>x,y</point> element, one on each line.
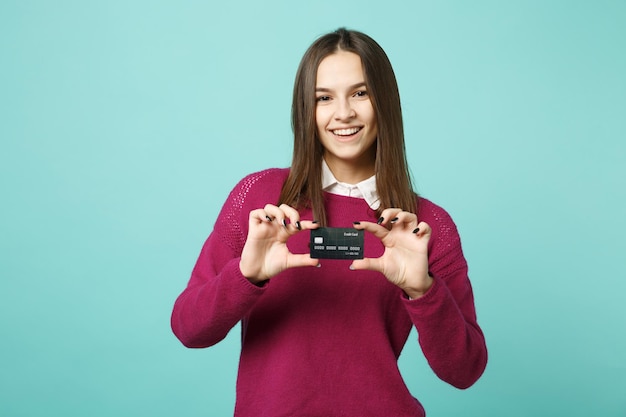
<point>350,173</point>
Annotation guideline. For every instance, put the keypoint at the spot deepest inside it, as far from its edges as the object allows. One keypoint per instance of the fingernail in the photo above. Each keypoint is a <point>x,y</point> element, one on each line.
<point>318,265</point>
<point>315,221</point>
<point>380,220</point>
<point>269,219</point>
<point>417,229</point>
<point>298,226</point>
<point>284,223</point>
<point>356,222</point>
<point>395,219</point>
<point>351,268</point>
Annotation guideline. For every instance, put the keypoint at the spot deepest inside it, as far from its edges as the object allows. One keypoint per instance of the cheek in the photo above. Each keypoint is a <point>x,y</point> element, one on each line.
<point>373,125</point>
<point>371,115</point>
<point>321,117</point>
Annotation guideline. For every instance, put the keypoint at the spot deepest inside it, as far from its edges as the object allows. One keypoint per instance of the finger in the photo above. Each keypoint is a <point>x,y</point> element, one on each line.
<point>259,216</point>
<point>309,224</point>
<point>374,228</point>
<point>405,220</point>
<point>275,213</point>
<point>388,215</point>
<point>270,211</point>
<point>422,230</point>
<point>371,264</point>
<point>291,214</point>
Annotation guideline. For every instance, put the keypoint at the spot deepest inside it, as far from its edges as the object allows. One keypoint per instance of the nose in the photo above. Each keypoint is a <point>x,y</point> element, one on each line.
<point>344,110</point>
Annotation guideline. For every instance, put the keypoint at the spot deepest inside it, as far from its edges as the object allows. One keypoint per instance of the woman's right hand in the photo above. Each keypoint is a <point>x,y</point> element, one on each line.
<point>265,252</point>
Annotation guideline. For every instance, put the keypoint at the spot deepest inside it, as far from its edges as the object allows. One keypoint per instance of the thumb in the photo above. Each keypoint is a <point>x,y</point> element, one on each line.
<point>372,264</point>
<point>300,260</point>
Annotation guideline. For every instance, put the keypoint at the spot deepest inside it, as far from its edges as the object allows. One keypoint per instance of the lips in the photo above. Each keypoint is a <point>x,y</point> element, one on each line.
<point>346,132</point>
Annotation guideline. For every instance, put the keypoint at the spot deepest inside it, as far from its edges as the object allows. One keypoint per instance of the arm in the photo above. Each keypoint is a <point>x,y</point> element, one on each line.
<point>217,297</point>
<point>445,316</point>
<point>427,263</point>
<point>246,248</point>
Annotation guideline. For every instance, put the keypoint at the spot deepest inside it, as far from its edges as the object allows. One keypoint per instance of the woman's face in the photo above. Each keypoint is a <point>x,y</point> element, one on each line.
<point>345,117</point>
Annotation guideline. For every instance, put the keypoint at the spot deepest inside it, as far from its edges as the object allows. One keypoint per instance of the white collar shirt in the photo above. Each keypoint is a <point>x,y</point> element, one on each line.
<point>366,189</point>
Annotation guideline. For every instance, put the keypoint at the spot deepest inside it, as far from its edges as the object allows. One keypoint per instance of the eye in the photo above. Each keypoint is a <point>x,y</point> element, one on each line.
<point>322,98</point>
<point>361,93</point>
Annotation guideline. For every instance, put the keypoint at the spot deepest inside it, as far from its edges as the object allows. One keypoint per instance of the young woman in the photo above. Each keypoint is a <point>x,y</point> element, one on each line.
<point>322,337</point>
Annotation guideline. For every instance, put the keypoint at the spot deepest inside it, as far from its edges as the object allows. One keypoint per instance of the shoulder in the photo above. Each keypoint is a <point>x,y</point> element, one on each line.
<point>443,227</point>
<point>262,185</point>
<point>445,253</point>
<point>429,211</point>
<point>251,192</point>
<point>265,177</point>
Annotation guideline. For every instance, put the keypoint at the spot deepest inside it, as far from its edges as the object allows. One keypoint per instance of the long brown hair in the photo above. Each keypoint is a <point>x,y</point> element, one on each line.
<point>303,187</point>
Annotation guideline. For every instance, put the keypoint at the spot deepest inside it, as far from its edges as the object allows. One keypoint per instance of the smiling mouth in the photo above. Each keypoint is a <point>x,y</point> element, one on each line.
<point>346,132</point>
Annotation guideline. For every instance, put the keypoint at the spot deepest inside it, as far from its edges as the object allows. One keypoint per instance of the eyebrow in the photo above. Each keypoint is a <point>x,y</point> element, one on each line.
<point>352,87</point>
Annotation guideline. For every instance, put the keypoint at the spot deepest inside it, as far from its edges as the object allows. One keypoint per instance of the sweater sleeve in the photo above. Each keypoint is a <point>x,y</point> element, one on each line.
<point>445,317</point>
<point>217,295</point>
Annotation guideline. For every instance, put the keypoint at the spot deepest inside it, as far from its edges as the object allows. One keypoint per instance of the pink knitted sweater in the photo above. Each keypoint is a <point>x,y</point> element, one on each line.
<point>325,341</point>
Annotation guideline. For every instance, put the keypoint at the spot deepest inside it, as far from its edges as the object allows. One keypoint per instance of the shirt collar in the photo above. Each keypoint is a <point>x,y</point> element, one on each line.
<point>365,189</point>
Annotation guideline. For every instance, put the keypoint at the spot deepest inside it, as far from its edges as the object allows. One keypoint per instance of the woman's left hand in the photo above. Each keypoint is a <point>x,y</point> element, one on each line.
<point>405,260</point>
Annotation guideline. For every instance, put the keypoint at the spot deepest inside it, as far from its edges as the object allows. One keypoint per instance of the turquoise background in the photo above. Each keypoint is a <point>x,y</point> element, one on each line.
<point>124,124</point>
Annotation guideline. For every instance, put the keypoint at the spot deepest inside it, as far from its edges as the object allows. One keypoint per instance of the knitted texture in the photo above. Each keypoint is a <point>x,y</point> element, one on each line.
<point>325,341</point>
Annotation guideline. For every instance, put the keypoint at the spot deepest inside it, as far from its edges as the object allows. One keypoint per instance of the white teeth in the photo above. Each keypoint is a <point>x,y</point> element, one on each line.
<point>346,132</point>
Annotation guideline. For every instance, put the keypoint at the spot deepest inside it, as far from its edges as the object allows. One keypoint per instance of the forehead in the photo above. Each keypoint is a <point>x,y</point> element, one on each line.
<point>341,68</point>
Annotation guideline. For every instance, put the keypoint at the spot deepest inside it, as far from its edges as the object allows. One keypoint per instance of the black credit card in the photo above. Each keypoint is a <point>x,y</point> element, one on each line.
<point>336,243</point>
